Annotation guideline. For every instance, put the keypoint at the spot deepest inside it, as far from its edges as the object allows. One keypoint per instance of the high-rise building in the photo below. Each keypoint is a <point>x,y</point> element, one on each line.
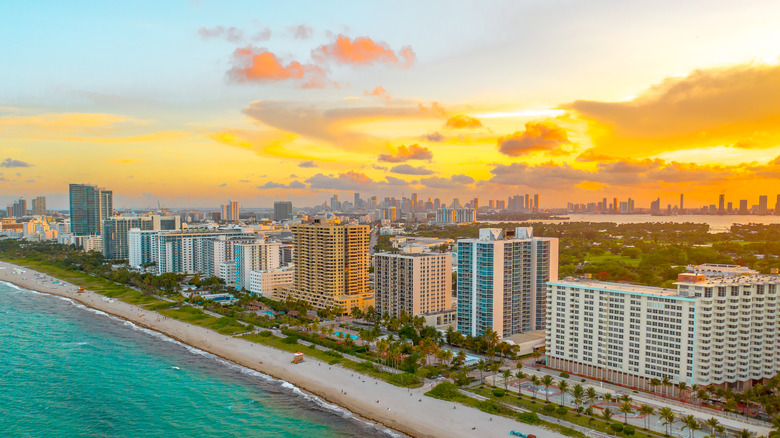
<point>777,206</point>
<point>502,278</point>
<point>743,206</point>
<point>412,281</point>
<point>115,231</point>
<point>682,206</point>
<point>359,202</point>
<point>253,256</point>
<point>655,206</point>
<point>762,205</point>
<point>89,206</point>
<point>536,203</point>
<point>331,265</point>
<point>282,210</point>
<point>721,204</point>
<point>19,208</point>
<point>39,206</point>
<point>702,333</point>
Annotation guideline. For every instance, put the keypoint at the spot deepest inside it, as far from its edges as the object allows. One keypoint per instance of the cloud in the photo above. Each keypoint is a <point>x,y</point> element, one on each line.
<point>461,121</point>
<point>734,105</point>
<point>301,31</point>
<point>378,167</point>
<point>453,182</point>
<point>538,137</point>
<point>344,181</point>
<point>262,35</point>
<point>379,91</point>
<point>309,163</point>
<point>251,64</point>
<point>223,185</point>
<point>30,181</point>
<point>406,169</point>
<point>230,34</point>
<point>547,175</point>
<point>362,51</point>
<point>10,162</point>
<point>404,153</point>
<point>273,185</point>
<point>243,180</point>
<point>434,137</point>
<point>590,155</point>
<point>336,126</point>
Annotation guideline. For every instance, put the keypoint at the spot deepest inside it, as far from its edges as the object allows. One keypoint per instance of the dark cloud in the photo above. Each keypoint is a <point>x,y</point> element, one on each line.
<point>404,153</point>
<point>538,137</point>
<point>378,167</point>
<point>275,185</point>
<point>243,180</point>
<point>10,162</point>
<point>434,137</point>
<point>223,185</point>
<point>309,163</point>
<point>406,169</point>
<point>453,182</point>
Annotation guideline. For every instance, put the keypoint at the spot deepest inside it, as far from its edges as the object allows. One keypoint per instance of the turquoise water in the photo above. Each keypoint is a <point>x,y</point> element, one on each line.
<point>339,334</point>
<point>69,371</point>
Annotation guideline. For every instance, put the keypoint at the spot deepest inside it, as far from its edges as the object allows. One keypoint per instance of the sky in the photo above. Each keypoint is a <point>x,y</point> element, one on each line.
<point>193,103</point>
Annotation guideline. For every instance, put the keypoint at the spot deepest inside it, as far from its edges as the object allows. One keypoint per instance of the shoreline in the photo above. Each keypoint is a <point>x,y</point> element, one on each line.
<point>391,408</point>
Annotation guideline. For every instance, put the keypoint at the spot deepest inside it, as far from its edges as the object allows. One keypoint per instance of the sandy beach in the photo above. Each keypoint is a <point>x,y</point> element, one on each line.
<point>400,409</point>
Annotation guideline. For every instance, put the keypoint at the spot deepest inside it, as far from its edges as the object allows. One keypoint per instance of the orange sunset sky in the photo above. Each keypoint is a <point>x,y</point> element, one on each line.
<point>194,103</point>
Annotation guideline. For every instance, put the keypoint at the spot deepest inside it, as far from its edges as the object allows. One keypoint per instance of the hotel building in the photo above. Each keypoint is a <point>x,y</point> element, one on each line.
<point>709,331</point>
<point>331,265</point>
<point>263,283</point>
<point>502,277</point>
<point>415,282</point>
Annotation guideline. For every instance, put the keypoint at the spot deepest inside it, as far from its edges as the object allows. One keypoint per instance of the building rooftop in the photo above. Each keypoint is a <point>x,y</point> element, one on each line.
<point>618,287</point>
<point>736,280</point>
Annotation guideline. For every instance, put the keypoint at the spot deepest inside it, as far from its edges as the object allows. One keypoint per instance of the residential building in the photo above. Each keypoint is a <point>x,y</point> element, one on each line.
<point>140,247</point>
<point>115,232</point>
<point>89,206</point>
<point>331,265</point>
<point>39,206</point>
<point>253,256</point>
<point>414,282</point>
<point>19,208</point>
<point>263,283</point>
<point>719,331</point>
<point>282,211</point>
<point>168,223</point>
<point>502,278</point>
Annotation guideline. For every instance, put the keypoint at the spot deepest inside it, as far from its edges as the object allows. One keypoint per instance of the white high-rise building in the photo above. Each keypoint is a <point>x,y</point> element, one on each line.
<point>254,256</point>
<point>502,281</point>
<point>709,331</point>
<point>181,251</point>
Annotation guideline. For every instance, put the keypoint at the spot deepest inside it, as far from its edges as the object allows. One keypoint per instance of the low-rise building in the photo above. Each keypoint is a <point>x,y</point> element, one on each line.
<point>262,283</point>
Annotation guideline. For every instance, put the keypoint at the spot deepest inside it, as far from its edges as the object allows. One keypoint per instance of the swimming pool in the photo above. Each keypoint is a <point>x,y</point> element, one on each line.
<point>339,334</point>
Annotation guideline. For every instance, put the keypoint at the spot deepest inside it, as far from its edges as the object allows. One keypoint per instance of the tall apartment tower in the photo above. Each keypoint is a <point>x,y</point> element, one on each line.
<point>253,256</point>
<point>502,278</point>
<point>331,265</point>
<point>19,208</point>
<point>415,282</point>
<point>282,210</point>
<point>39,206</point>
<point>536,203</point>
<point>721,204</point>
<point>682,207</point>
<point>115,234</point>
<point>89,206</point>
<point>762,205</point>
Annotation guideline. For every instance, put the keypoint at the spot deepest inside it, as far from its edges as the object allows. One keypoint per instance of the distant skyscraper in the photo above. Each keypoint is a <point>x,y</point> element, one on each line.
<point>536,203</point>
<point>89,206</point>
<point>655,206</point>
<point>358,202</point>
<point>527,202</point>
<point>777,206</point>
<point>19,208</point>
<point>762,205</point>
<point>743,206</point>
<point>682,206</point>
<point>721,204</point>
<point>39,206</point>
<point>283,210</point>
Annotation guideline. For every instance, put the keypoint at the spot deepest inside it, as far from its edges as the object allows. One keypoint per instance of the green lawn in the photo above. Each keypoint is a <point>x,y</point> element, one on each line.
<point>612,258</point>
<point>196,316</point>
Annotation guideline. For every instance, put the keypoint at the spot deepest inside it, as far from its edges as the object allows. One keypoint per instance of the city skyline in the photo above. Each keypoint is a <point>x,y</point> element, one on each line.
<point>265,103</point>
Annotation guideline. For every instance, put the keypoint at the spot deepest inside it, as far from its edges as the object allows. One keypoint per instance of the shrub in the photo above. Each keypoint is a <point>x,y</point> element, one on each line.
<point>582,380</point>
<point>333,353</point>
<point>564,375</point>
<point>617,427</point>
<point>498,392</point>
<point>334,361</point>
<point>548,408</point>
<point>629,430</point>
<point>561,411</point>
<point>493,407</point>
<point>445,391</point>
<point>266,333</point>
<point>529,418</point>
<point>290,340</point>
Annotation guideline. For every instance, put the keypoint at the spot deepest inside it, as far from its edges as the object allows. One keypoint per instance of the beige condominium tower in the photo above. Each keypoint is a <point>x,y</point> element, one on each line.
<point>331,265</point>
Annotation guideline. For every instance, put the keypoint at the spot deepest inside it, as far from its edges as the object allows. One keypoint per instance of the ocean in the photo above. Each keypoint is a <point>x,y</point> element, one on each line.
<point>70,371</point>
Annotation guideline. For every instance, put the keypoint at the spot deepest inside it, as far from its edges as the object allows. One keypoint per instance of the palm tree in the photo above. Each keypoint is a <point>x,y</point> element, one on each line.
<point>591,395</point>
<point>563,386</point>
<point>534,384</point>
<point>547,380</point>
<point>625,398</point>
<point>626,409</point>
<point>744,433</point>
<point>694,391</point>
<point>606,414</point>
<point>654,383</point>
<point>667,383</point>
<point>721,430</point>
<point>682,387</point>
<point>608,397</point>
<point>667,416</point>
<point>647,411</point>
<point>536,355</point>
<point>577,392</point>
<point>480,367</point>
<point>690,423</point>
<point>701,395</point>
<point>712,422</point>
<point>507,374</point>
<point>520,375</point>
